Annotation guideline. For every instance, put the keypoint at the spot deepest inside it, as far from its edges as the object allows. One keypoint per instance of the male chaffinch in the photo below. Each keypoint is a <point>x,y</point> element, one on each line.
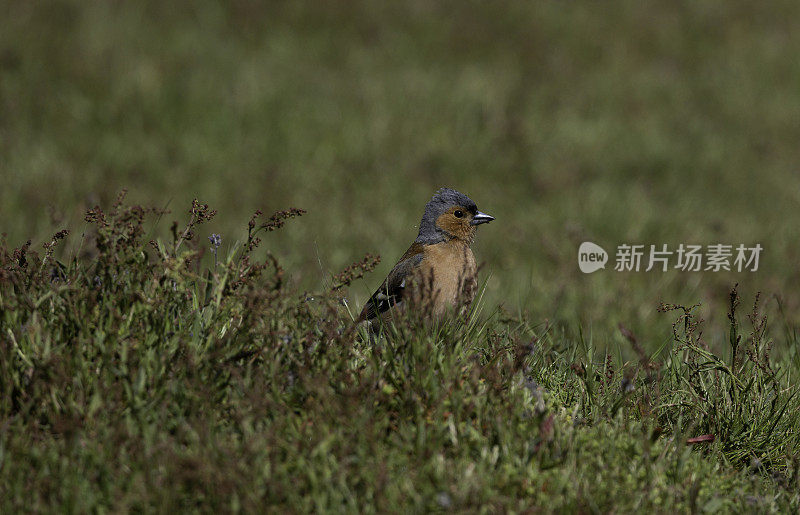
<point>438,271</point>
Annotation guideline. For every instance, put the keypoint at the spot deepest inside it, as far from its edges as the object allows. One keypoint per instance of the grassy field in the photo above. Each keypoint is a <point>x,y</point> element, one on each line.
<point>138,376</point>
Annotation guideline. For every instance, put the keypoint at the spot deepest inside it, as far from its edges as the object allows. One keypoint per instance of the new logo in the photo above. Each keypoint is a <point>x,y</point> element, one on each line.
<point>591,257</point>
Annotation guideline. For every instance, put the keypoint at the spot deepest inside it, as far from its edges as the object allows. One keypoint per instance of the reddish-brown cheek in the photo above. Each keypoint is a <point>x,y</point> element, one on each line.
<point>459,228</point>
<point>467,231</point>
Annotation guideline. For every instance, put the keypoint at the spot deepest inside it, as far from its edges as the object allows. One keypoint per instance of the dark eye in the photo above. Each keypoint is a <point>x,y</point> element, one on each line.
<point>458,213</point>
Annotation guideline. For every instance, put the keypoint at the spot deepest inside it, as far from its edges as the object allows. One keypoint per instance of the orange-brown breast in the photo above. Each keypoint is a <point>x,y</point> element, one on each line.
<point>447,276</point>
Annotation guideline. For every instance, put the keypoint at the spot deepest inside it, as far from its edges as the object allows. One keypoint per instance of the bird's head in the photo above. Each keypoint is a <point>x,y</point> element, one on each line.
<point>450,215</point>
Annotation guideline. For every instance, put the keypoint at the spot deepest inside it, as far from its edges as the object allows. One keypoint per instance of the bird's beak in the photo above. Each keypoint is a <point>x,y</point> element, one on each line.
<point>481,218</point>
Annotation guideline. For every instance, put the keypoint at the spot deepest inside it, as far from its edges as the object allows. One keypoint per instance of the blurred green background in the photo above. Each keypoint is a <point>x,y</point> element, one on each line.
<point>615,122</point>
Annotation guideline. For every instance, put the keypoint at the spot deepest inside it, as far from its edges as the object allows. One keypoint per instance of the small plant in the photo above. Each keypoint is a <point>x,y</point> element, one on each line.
<point>741,402</point>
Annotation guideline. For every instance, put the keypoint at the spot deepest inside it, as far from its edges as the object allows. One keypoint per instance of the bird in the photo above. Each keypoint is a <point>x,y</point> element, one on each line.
<point>438,271</point>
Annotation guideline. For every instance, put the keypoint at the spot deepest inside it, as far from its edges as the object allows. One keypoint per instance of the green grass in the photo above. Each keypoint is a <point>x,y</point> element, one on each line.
<point>150,378</point>
<point>621,122</point>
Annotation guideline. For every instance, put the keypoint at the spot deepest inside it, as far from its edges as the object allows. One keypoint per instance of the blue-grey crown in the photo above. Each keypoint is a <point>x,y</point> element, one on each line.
<point>443,200</point>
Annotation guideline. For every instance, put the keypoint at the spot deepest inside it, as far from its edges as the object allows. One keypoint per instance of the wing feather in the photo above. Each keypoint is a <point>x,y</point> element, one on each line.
<point>391,291</point>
